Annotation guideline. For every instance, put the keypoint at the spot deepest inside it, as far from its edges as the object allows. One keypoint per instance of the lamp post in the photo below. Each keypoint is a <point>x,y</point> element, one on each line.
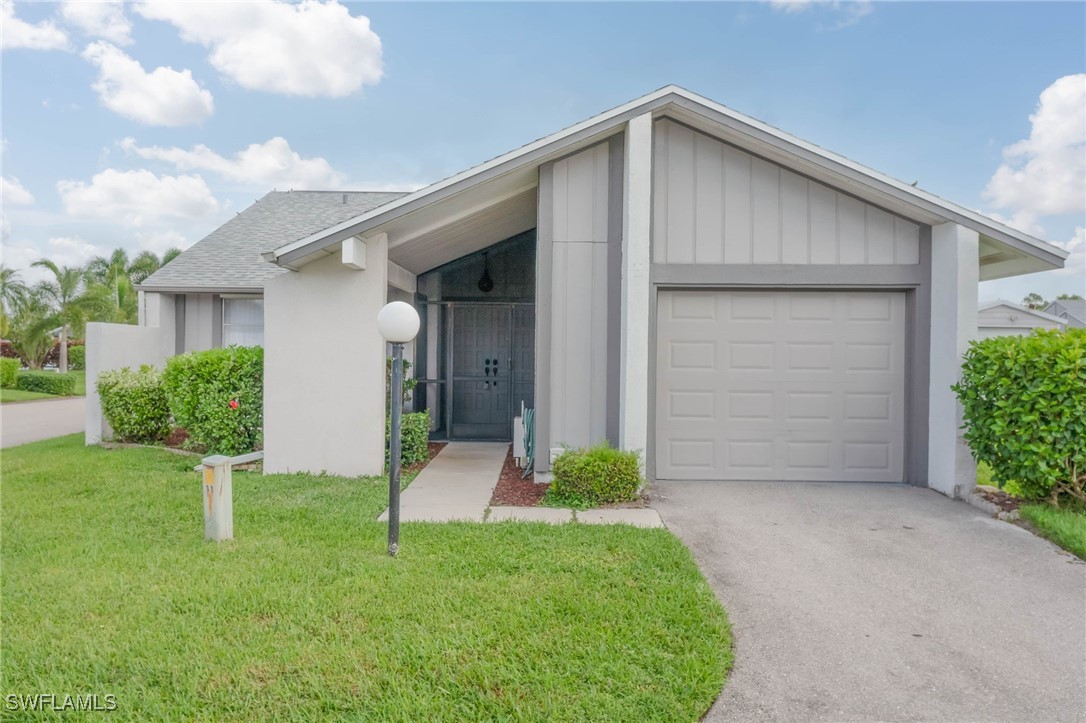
<point>398,323</point>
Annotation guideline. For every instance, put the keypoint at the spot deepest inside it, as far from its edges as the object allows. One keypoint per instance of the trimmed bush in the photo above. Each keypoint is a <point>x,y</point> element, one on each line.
<point>52,357</point>
<point>9,372</point>
<point>414,438</point>
<point>77,357</point>
<point>134,404</point>
<point>217,396</point>
<point>46,382</point>
<point>595,476</point>
<point>1024,404</point>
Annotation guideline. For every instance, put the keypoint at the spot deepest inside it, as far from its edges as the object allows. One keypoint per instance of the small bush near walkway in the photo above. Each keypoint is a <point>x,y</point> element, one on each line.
<point>9,372</point>
<point>217,396</point>
<point>61,385</point>
<point>1024,404</point>
<point>598,475</point>
<point>414,438</point>
<point>134,404</point>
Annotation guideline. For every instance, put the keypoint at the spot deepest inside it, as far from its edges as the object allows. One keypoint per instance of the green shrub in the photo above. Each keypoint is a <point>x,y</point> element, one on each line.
<point>46,382</point>
<point>595,476</point>
<point>414,438</point>
<point>1024,402</point>
<point>134,404</point>
<point>9,372</point>
<point>217,396</point>
<point>77,358</point>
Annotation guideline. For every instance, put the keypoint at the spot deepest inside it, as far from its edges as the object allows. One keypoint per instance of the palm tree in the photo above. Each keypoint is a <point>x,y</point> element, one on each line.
<point>12,293</point>
<point>64,293</point>
<point>145,264</point>
<point>169,255</point>
<point>31,322</point>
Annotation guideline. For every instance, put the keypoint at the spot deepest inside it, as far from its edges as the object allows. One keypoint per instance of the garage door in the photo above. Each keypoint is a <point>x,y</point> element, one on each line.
<point>774,385</point>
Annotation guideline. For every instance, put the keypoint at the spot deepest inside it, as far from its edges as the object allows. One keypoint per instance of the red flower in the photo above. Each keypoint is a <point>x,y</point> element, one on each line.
<point>233,404</point>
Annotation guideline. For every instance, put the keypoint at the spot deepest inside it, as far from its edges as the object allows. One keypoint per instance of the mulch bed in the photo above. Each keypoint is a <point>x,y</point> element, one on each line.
<point>512,490</point>
<point>434,448</point>
<point>999,498</point>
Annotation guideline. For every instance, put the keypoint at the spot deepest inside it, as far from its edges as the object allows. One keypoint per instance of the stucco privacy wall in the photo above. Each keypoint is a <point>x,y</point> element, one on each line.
<point>115,346</point>
<point>324,367</point>
<point>714,203</point>
<point>577,225</point>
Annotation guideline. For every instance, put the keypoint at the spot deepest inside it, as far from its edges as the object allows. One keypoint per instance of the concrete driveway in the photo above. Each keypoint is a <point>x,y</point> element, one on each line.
<point>884,602</point>
<point>22,422</point>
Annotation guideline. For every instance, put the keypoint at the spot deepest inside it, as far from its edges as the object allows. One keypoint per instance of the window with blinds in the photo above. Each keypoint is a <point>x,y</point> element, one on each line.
<point>243,322</point>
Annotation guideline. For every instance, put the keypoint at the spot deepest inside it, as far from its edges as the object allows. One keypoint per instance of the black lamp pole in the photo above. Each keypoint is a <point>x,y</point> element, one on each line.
<point>396,400</point>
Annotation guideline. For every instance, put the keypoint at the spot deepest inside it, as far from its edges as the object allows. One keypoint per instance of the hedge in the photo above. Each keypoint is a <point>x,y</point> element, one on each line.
<point>77,357</point>
<point>414,438</point>
<point>9,371</point>
<point>1024,407</point>
<point>7,351</point>
<point>217,396</point>
<point>134,404</point>
<point>46,383</point>
<point>595,476</point>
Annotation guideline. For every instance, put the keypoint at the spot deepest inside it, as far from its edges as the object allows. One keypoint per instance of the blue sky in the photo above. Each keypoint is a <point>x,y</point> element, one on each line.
<point>105,105</point>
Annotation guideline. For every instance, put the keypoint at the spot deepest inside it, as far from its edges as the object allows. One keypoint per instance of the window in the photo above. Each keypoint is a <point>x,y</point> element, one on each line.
<point>242,322</point>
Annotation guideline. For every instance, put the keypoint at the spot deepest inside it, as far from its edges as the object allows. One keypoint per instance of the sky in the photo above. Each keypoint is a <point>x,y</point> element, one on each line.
<point>147,125</point>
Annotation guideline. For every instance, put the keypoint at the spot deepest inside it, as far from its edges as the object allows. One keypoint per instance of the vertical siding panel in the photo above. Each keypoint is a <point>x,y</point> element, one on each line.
<point>880,236</point>
<point>581,196</point>
<point>659,192</point>
<point>822,207</point>
<point>561,194</point>
<point>765,212</point>
<point>597,374</point>
<point>794,227</point>
<point>736,207</point>
<point>906,242</point>
<point>680,182</point>
<point>600,197</point>
<point>559,343</point>
<point>851,230</point>
<point>708,232</point>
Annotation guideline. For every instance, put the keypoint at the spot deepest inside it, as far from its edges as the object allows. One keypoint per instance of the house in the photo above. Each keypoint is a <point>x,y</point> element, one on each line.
<point>670,276</point>
<point>1071,310</point>
<point>1005,318</point>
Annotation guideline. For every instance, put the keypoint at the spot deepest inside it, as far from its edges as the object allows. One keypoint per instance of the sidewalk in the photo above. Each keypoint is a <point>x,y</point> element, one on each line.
<point>22,422</point>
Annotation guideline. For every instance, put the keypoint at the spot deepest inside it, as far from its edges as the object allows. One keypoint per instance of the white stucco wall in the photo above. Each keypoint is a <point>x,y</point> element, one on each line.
<point>115,346</point>
<point>324,367</point>
<point>955,273</point>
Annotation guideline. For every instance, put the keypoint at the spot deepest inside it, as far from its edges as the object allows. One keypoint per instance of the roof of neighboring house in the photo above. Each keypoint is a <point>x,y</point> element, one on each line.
<point>694,108</point>
<point>1074,308</point>
<point>1017,308</point>
<point>228,259</point>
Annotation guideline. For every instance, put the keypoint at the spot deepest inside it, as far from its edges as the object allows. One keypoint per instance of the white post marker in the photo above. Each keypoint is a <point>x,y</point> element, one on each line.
<point>218,498</point>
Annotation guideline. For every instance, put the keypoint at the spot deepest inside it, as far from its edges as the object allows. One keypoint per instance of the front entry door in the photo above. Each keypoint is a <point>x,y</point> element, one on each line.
<point>482,366</point>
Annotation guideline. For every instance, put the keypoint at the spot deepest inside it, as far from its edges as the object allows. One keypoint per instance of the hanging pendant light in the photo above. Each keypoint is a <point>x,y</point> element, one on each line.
<point>486,284</point>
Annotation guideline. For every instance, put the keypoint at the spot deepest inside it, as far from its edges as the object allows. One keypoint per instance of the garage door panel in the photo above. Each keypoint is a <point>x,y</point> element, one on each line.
<point>780,385</point>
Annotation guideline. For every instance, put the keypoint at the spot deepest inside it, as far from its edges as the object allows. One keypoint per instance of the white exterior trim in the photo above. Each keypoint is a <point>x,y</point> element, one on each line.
<point>1021,309</point>
<point>636,265</point>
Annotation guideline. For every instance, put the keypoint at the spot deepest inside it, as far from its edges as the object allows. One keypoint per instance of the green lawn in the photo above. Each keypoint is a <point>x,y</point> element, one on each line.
<point>1065,527</point>
<point>18,395</point>
<point>109,587</point>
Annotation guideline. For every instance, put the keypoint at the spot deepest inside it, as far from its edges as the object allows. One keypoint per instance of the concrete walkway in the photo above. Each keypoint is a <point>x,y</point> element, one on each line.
<point>22,422</point>
<point>458,483</point>
<point>883,602</point>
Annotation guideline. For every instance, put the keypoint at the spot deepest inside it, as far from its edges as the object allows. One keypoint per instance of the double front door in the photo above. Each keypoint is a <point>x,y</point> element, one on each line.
<point>492,362</point>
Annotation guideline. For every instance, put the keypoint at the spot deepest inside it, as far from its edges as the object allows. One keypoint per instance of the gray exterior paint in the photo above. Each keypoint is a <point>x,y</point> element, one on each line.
<point>616,154</point>
<point>1074,310</point>
<point>544,265</point>
<point>228,259</point>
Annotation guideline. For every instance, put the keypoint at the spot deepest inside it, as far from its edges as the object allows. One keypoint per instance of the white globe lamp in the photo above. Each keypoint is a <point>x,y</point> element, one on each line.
<point>398,322</point>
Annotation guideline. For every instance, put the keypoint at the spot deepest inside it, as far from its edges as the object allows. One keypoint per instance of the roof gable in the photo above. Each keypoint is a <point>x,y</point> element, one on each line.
<point>1017,309</point>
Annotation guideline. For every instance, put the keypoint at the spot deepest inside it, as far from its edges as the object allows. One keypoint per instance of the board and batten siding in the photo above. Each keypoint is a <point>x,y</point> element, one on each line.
<point>578,341</point>
<point>715,204</point>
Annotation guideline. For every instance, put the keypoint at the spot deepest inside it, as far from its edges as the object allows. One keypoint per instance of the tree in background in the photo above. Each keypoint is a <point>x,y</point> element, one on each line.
<point>1069,297</point>
<point>65,294</point>
<point>1033,300</point>
<point>12,293</point>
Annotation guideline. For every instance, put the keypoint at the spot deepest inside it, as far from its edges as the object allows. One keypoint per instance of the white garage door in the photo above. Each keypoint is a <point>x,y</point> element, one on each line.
<point>780,385</point>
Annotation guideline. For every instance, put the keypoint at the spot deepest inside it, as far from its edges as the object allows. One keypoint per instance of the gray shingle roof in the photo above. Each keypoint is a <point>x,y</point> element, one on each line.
<point>1073,307</point>
<point>229,258</point>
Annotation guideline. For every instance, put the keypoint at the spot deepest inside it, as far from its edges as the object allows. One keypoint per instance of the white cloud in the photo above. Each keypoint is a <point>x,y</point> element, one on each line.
<point>848,12</point>
<point>134,197</point>
<point>272,164</point>
<point>61,250</point>
<point>14,193</point>
<point>1076,262</point>
<point>1045,174</point>
<point>160,241</point>
<point>5,228</point>
<point>308,49</point>
<point>99,19</point>
<point>163,97</point>
<point>33,36</point>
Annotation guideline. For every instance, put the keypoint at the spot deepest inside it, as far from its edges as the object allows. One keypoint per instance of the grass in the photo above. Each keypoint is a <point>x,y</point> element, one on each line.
<point>18,395</point>
<point>1064,526</point>
<point>109,587</point>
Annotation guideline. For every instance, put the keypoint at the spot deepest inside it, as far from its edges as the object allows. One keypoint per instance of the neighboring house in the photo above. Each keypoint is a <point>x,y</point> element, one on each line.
<point>1072,310</point>
<point>1004,318</point>
<point>669,276</point>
